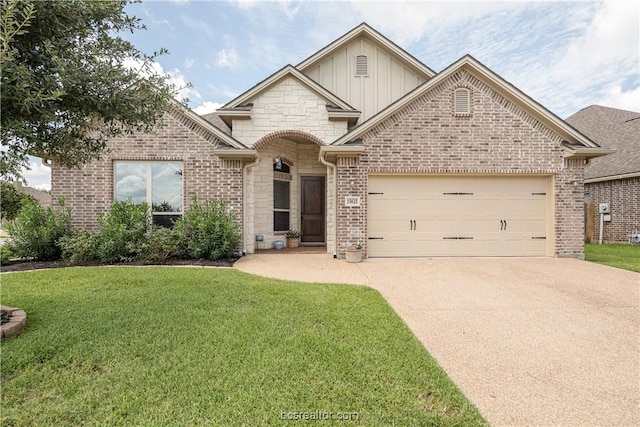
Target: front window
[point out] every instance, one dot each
(157, 183)
(281, 195)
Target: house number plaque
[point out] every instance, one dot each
(352, 201)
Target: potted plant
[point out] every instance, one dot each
(293, 238)
(354, 254)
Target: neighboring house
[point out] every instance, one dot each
(361, 142)
(613, 179)
(42, 197)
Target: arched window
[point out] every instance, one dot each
(462, 101)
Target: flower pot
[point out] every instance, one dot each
(353, 255)
(293, 242)
(278, 244)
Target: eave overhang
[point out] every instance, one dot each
(338, 114)
(332, 152)
(230, 154)
(612, 177)
(572, 151)
(238, 113)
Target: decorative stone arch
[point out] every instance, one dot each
(285, 134)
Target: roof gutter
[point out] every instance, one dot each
(235, 154)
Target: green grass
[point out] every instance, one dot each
(615, 255)
(179, 346)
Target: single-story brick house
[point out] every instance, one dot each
(612, 179)
(361, 142)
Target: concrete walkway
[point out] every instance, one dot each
(531, 341)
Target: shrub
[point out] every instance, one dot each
(208, 230)
(6, 255)
(122, 231)
(36, 231)
(80, 247)
(159, 245)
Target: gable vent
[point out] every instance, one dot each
(362, 65)
(461, 101)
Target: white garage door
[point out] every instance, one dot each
(459, 216)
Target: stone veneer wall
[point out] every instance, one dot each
(288, 105)
(623, 195)
(303, 160)
(89, 190)
(497, 137)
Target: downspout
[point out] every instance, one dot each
(335, 201)
(245, 217)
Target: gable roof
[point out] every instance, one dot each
(368, 32)
(284, 72)
(497, 83)
(615, 129)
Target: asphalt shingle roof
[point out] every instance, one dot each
(610, 128)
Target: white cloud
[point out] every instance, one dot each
(615, 97)
(39, 176)
(197, 25)
(176, 77)
(596, 60)
(207, 107)
(407, 22)
(189, 62)
(227, 58)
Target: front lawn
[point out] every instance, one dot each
(186, 346)
(615, 255)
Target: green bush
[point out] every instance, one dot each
(6, 255)
(207, 230)
(122, 231)
(80, 247)
(36, 231)
(159, 245)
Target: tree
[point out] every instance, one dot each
(67, 83)
(12, 201)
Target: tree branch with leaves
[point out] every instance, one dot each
(67, 87)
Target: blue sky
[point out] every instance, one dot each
(565, 55)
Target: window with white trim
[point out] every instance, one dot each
(159, 184)
(462, 101)
(362, 66)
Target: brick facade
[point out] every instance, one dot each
(89, 190)
(496, 138)
(623, 195)
(290, 119)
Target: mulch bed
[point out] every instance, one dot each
(39, 265)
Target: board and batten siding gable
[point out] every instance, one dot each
(288, 104)
(388, 78)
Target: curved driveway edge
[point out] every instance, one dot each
(530, 341)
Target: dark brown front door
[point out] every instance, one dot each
(313, 219)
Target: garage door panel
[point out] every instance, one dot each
(459, 215)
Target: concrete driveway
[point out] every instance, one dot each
(531, 341)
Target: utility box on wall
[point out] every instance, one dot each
(604, 208)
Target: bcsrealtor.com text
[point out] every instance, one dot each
(318, 415)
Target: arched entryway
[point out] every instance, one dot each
(289, 189)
